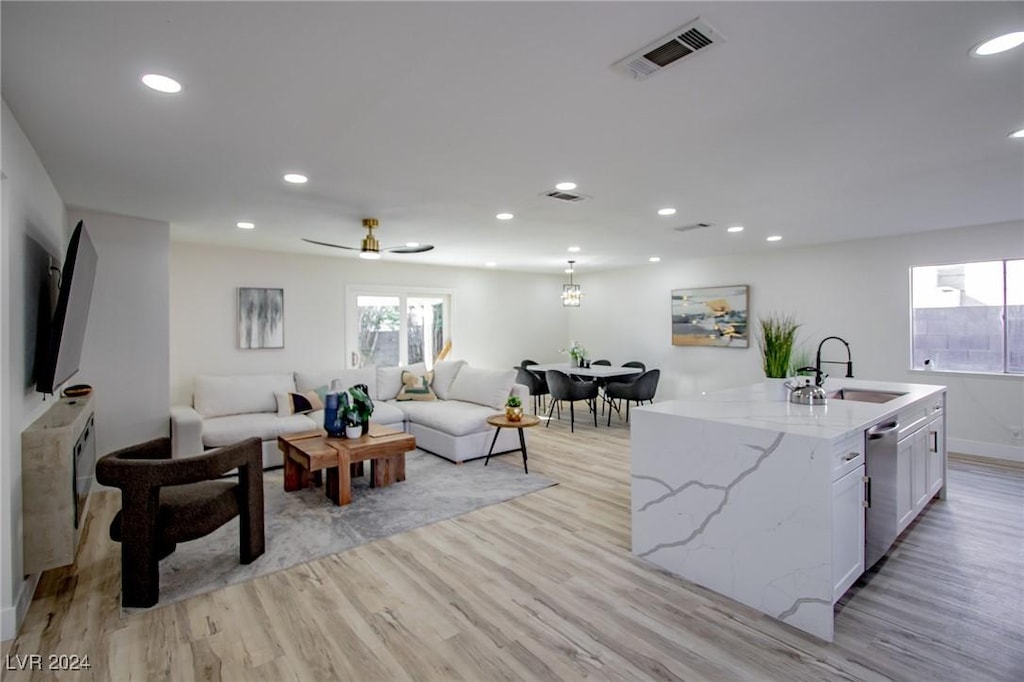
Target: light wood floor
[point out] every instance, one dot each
(544, 588)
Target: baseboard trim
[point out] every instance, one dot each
(12, 617)
(986, 450)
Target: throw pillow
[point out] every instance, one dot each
(289, 403)
(416, 387)
(444, 373)
(389, 379)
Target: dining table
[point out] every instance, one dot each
(593, 372)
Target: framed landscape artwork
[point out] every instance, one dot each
(711, 316)
(260, 318)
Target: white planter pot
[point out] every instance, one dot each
(775, 389)
(353, 431)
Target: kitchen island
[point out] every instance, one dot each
(762, 500)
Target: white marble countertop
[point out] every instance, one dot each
(751, 406)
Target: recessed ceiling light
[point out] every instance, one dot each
(295, 178)
(245, 225)
(654, 259)
(491, 264)
(1017, 133)
(574, 249)
(735, 228)
(369, 255)
(773, 238)
(161, 83)
(504, 216)
(412, 245)
(998, 44)
(565, 186)
(666, 211)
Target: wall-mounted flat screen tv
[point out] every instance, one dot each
(62, 351)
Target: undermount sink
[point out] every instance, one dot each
(864, 396)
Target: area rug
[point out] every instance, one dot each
(305, 525)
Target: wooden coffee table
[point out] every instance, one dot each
(499, 421)
(306, 455)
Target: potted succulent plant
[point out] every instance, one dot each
(514, 408)
(777, 338)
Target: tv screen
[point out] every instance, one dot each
(66, 333)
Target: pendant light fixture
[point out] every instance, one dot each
(571, 294)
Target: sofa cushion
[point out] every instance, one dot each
(297, 403)
(217, 396)
(455, 418)
(489, 387)
(346, 378)
(219, 431)
(389, 379)
(416, 387)
(444, 374)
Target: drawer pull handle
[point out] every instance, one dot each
(852, 456)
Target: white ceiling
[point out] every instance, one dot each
(820, 122)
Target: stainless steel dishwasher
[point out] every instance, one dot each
(880, 468)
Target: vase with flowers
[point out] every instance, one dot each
(576, 352)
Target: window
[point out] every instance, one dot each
(969, 317)
(390, 327)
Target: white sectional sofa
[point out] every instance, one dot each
(226, 409)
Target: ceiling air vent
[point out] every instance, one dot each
(686, 40)
(695, 226)
(564, 196)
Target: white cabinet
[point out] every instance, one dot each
(847, 530)
(904, 479)
(919, 470)
(920, 458)
(935, 444)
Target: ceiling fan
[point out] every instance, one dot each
(370, 247)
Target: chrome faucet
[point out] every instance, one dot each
(818, 360)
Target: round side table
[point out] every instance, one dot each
(500, 422)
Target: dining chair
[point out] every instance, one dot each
(535, 383)
(601, 382)
(562, 387)
(640, 390)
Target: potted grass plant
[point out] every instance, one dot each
(777, 339)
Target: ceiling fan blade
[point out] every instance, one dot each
(410, 249)
(336, 246)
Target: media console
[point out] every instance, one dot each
(58, 460)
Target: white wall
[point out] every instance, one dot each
(499, 318)
(32, 210)
(857, 290)
(126, 353)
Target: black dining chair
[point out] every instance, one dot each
(600, 381)
(640, 390)
(535, 383)
(562, 387)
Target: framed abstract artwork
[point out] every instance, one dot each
(711, 316)
(260, 318)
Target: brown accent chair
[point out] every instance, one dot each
(165, 501)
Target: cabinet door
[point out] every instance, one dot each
(936, 446)
(919, 474)
(904, 489)
(847, 531)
